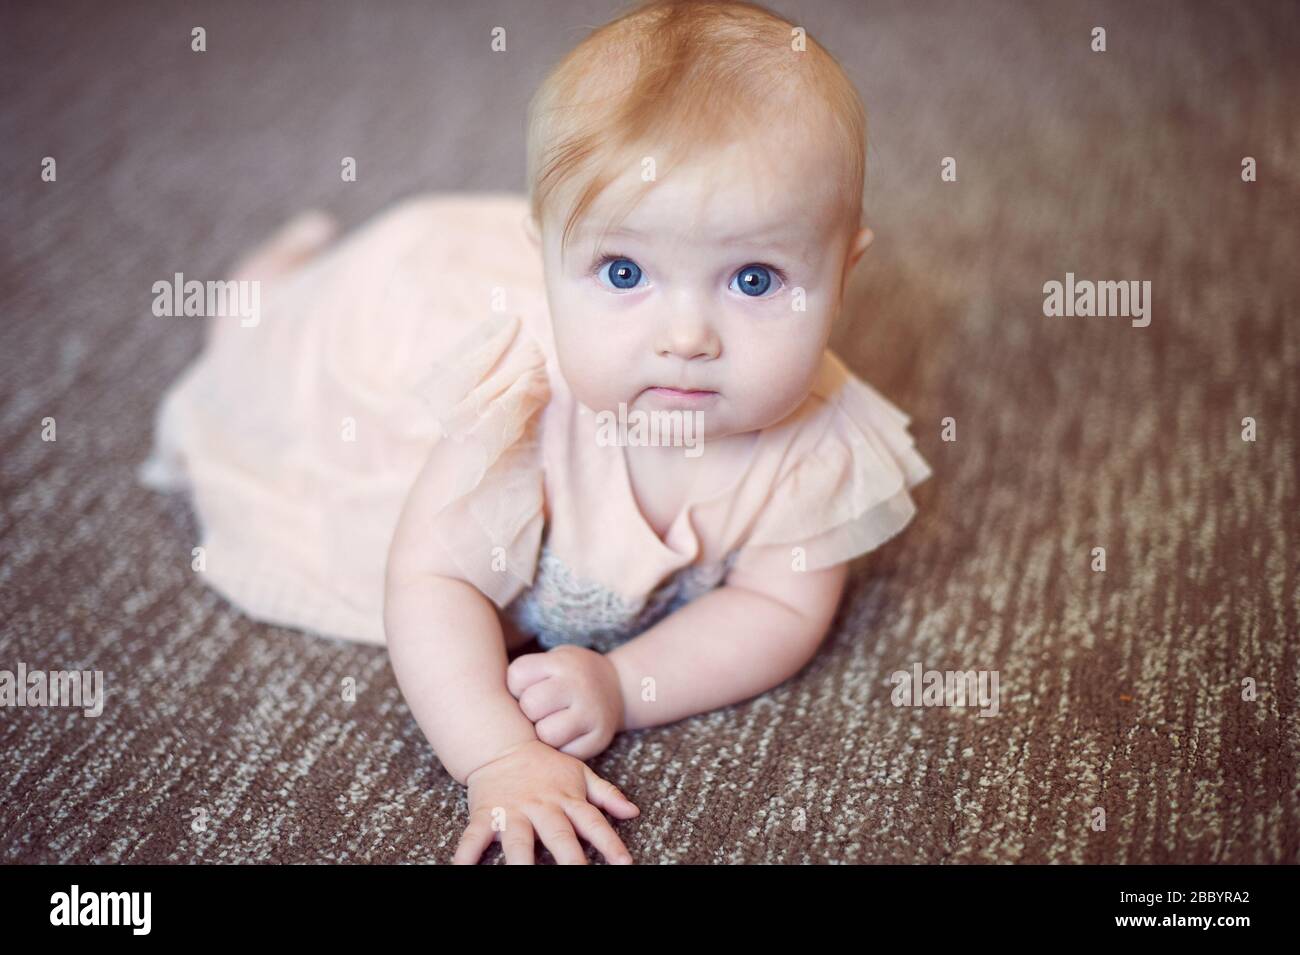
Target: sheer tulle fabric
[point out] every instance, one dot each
(424, 340)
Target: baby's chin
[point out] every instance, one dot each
(715, 416)
(719, 416)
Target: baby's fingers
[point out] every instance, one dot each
(606, 795)
(556, 832)
(517, 840)
(583, 747)
(478, 835)
(524, 671)
(593, 827)
(560, 728)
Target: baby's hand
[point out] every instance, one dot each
(573, 697)
(534, 792)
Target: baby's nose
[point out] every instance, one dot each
(688, 336)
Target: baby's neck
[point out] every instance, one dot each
(665, 480)
(672, 474)
(689, 460)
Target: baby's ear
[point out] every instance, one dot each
(530, 227)
(859, 245)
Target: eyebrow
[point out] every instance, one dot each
(759, 237)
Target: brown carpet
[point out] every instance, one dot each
(223, 740)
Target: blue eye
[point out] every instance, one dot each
(753, 280)
(623, 272)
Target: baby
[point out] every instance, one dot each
(414, 447)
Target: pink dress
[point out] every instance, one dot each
(427, 332)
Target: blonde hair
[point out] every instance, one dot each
(686, 74)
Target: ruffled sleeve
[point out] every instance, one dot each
(485, 398)
(846, 490)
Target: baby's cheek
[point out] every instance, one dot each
(593, 365)
(777, 380)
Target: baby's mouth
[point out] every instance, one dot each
(686, 397)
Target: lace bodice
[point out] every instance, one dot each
(561, 607)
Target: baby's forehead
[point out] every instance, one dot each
(744, 191)
(678, 213)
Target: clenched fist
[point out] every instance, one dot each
(573, 697)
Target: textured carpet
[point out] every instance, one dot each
(1127, 691)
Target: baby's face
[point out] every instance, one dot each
(722, 282)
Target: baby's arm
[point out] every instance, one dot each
(750, 634)
(449, 658)
(448, 653)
